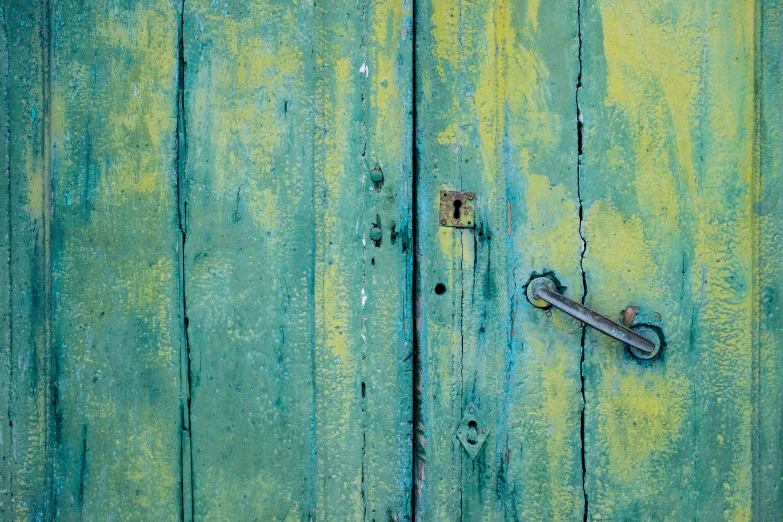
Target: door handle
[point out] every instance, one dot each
(542, 293)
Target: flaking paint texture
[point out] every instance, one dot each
(198, 326)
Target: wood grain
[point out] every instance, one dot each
(207, 229)
(363, 336)
(115, 327)
(768, 383)
(496, 85)
(298, 323)
(667, 185)
(25, 386)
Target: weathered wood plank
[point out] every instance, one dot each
(116, 330)
(363, 345)
(249, 258)
(25, 416)
(668, 108)
(768, 449)
(6, 421)
(496, 85)
(299, 326)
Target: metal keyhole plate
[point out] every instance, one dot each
(456, 209)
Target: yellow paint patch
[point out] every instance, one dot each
(141, 163)
(679, 92)
(445, 20)
(532, 13)
(656, 86)
(386, 147)
(542, 224)
(246, 123)
(449, 135)
(113, 123)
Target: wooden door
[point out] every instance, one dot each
(208, 260)
(228, 292)
(630, 152)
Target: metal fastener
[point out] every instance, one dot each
(472, 431)
(376, 175)
(456, 209)
(376, 233)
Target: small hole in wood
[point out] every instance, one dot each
(472, 435)
(440, 289)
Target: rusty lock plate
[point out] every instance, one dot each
(457, 209)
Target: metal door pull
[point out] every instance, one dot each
(542, 292)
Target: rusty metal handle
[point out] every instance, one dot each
(542, 293)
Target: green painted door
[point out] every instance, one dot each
(630, 151)
(231, 289)
(207, 256)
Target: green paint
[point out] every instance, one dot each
(363, 332)
(668, 105)
(299, 326)
(496, 115)
(115, 322)
(247, 199)
(25, 407)
(206, 260)
(768, 431)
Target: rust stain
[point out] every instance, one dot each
(456, 209)
(629, 314)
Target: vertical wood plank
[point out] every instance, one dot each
(363, 345)
(249, 258)
(116, 330)
(25, 419)
(496, 85)
(768, 485)
(298, 323)
(386, 386)
(668, 108)
(6, 455)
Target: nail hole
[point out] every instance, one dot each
(472, 435)
(440, 289)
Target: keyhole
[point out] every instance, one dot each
(472, 435)
(457, 204)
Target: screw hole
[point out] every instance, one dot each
(440, 289)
